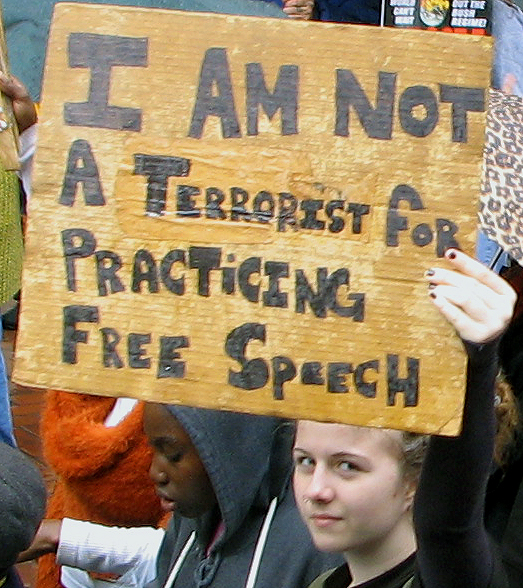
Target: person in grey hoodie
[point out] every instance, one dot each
(226, 477)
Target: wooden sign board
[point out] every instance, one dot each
(237, 213)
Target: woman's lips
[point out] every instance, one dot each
(324, 520)
(166, 503)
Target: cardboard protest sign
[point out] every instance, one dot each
(8, 129)
(237, 213)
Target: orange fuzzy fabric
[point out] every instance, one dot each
(102, 473)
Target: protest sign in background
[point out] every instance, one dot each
(8, 128)
(451, 16)
(237, 212)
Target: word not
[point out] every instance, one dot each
(255, 373)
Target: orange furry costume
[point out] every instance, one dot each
(102, 473)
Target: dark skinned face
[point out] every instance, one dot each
(176, 469)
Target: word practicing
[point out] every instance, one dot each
(246, 278)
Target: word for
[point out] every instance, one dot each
(215, 95)
(421, 234)
(245, 278)
(253, 374)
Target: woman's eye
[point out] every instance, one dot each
(347, 466)
(171, 452)
(303, 461)
(174, 458)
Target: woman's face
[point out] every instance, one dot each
(176, 469)
(349, 485)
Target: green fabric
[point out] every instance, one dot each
(320, 580)
(11, 244)
(340, 577)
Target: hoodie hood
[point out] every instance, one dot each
(247, 458)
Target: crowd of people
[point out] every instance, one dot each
(168, 496)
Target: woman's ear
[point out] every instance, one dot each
(410, 491)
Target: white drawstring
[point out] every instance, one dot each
(258, 551)
(181, 558)
(260, 544)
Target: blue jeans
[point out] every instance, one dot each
(486, 251)
(6, 420)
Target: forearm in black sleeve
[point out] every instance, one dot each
(453, 548)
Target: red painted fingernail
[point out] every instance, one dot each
(451, 255)
(432, 294)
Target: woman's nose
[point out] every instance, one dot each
(320, 488)
(156, 473)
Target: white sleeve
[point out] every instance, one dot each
(114, 550)
(27, 143)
